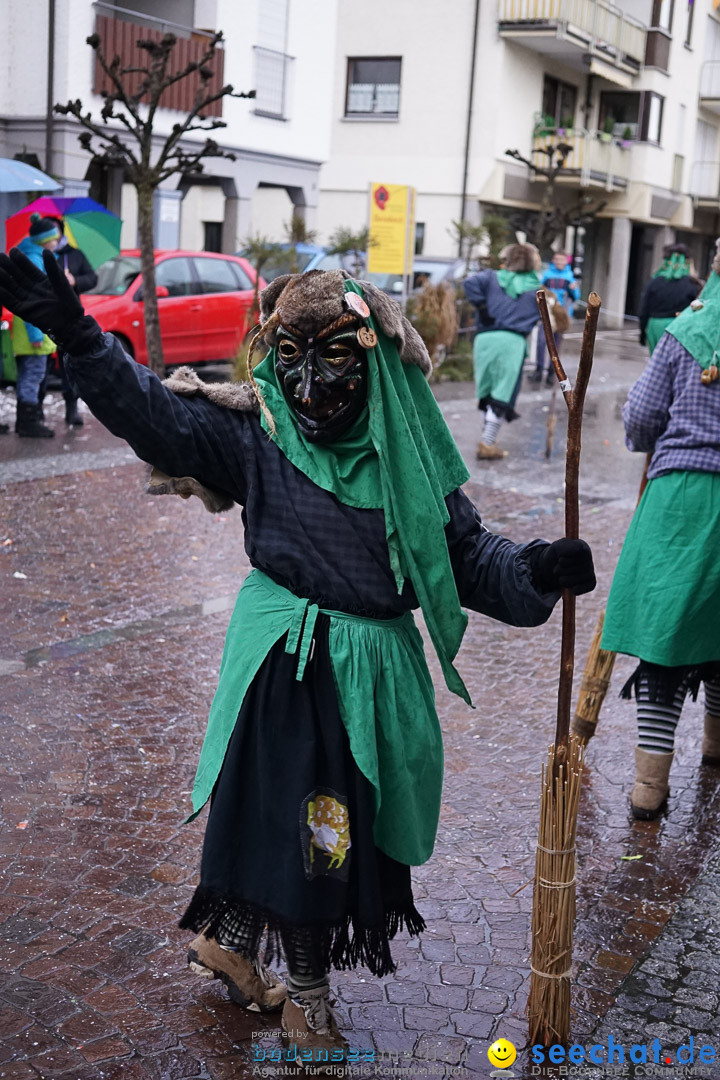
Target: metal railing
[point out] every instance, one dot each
(705, 180)
(139, 17)
(607, 30)
(594, 156)
(710, 79)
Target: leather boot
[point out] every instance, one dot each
(711, 741)
(28, 422)
(308, 1021)
(249, 984)
(72, 416)
(489, 453)
(651, 784)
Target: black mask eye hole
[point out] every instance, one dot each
(337, 354)
(288, 351)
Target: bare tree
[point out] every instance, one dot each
(553, 219)
(124, 135)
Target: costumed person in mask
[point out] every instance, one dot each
(507, 311)
(323, 754)
(83, 278)
(663, 602)
(31, 346)
(668, 292)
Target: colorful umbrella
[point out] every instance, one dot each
(89, 226)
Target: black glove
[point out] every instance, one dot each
(47, 301)
(564, 564)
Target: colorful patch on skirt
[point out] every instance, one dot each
(325, 834)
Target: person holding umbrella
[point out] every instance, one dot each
(82, 277)
(322, 760)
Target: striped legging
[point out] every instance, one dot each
(657, 723)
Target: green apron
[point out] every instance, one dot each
(663, 603)
(385, 696)
(654, 331)
(498, 358)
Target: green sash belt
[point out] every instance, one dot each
(385, 696)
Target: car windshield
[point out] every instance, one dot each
(116, 275)
(285, 262)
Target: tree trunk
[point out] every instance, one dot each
(147, 266)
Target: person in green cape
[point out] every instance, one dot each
(663, 602)
(323, 759)
(507, 311)
(672, 287)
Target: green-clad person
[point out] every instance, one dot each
(672, 287)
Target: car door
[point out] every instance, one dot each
(180, 311)
(224, 307)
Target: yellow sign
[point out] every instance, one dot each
(392, 229)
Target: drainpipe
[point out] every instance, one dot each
(469, 119)
(50, 88)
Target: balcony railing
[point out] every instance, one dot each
(705, 180)
(594, 25)
(594, 159)
(119, 37)
(710, 79)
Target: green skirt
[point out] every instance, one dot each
(654, 331)
(385, 697)
(663, 603)
(497, 359)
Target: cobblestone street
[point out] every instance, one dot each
(111, 634)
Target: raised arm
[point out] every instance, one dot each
(517, 584)
(182, 436)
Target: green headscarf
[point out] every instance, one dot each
(698, 328)
(517, 284)
(673, 267)
(399, 457)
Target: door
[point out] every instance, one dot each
(224, 307)
(180, 311)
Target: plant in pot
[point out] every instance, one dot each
(566, 126)
(627, 137)
(607, 129)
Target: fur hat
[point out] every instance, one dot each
(310, 303)
(521, 258)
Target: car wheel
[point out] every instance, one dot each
(122, 340)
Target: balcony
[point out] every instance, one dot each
(585, 34)
(705, 183)
(710, 85)
(119, 33)
(595, 159)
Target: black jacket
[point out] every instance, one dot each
(663, 299)
(72, 259)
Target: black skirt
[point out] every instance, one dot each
(289, 863)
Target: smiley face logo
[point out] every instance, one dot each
(502, 1053)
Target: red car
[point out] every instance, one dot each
(204, 301)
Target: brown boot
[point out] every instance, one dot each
(711, 741)
(249, 984)
(309, 1022)
(489, 453)
(651, 784)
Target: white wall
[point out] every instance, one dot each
(201, 203)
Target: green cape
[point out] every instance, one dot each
(698, 329)
(400, 457)
(517, 284)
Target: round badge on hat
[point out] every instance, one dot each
(357, 304)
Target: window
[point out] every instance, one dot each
(689, 22)
(628, 115)
(419, 237)
(215, 275)
(373, 87)
(244, 281)
(272, 73)
(177, 277)
(559, 102)
(662, 14)
(213, 235)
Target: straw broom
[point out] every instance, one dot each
(554, 894)
(598, 669)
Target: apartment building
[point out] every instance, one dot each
(633, 89)
(281, 49)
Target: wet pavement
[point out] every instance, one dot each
(111, 632)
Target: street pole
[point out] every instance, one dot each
(468, 126)
(50, 88)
